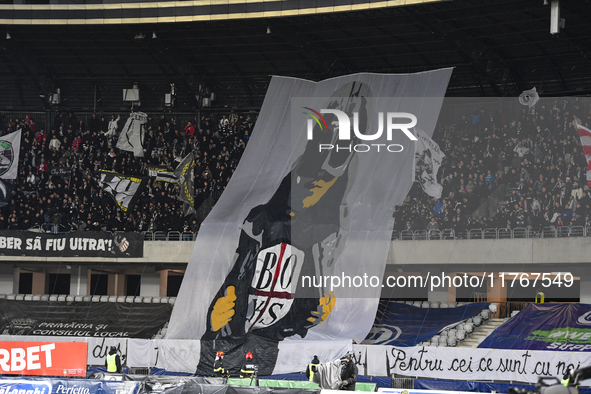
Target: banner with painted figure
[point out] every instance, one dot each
(562, 327)
(276, 267)
(400, 324)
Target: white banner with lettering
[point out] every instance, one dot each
(372, 360)
(142, 353)
(466, 363)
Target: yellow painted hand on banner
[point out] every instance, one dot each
(320, 188)
(223, 310)
(325, 306)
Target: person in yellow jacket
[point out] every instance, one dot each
(113, 361)
(312, 368)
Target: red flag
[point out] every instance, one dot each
(585, 135)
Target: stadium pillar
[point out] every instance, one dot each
(451, 293)
(39, 283)
(116, 284)
(16, 280)
(78, 280)
(150, 283)
(6, 278)
(495, 292)
(585, 289)
(442, 294)
(163, 283)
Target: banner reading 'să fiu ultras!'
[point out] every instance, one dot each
(312, 199)
(75, 244)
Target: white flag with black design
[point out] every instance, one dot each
(5, 192)
(305, 202)
(428, 158)
(132, 135)
(10, 147)
(162, 175)
(529, 97)
(124, 189)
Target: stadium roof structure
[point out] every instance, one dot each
(498, 48)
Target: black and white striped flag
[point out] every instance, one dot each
(162, 174)
(124, 189)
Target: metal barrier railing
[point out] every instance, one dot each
(169, 236)
(493, 233)
(480, 297)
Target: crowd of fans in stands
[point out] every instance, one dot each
(74, 201)
(530, 166)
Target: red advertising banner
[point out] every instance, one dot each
(43, 358)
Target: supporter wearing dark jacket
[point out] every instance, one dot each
(348, 374)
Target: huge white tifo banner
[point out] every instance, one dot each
(466, 363)
(312, 197)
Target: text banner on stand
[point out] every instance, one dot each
(43, 358)
(78, 244)
(467, 363)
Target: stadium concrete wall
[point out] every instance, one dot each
(485, 251)
(564, 254)
(492, 251)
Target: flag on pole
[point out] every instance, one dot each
(5, 192)
(10, 147)
(124, 189)
(428, 158)
(162, 174)
(132, 135)
(585, 135)
(184, 173)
